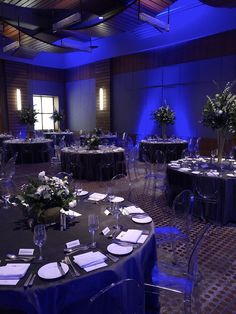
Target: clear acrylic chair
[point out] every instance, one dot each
(123, 297)
(131, 157)
(207, 195)
(120, 185)
(155, 172)
(7, 185)
(181, 280)
(181, 223)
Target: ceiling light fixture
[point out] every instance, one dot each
(70, 20)
(158, 24)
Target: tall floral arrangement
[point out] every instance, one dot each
(43, 193)
(164, 115)
(57, 117)
(28, 116)
(219, 113)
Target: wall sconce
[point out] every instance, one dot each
(18, 99)
(101, 98)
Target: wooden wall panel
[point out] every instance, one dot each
(222, 44)
(3, 99)
(83, 72)
(16, 77)
(103, 80)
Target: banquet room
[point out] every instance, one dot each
(118, 157)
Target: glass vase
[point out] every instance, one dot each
(220, 144)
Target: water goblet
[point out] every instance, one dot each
(213, 154)
(116, 213)
(93, 225)
(78, 188)
(197, 154)
(40, 236)
(110, 197)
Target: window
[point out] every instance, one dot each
(45, 105)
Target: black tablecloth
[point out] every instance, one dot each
(70, 294)
(57, 136)
(4, 138)
(179, 180)
(172, 150)
(92, 166)
(29, 152)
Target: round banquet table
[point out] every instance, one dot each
(93, 164)
(29, 151)
(4, 137)
(182, 176)
(171, 148)
(57, 136)
(70, 294)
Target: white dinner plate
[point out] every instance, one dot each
(83, 193)
(142, 220)
(117, 199)
(117, 249)
(51, 271)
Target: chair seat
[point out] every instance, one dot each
(175, 281)
(170, 232)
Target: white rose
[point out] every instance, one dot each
(41, 175)
(72, 204)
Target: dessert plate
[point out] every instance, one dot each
(52, 271)
(116, 249)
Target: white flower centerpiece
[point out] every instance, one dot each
(93, 142)
(219, 113)
(164, 115)
(43, 198)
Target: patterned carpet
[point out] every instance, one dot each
(217, 260)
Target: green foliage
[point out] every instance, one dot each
(28, 116)
(164, 115)
(57, 116)
(93, 142)
(219, 112)
(43, 193)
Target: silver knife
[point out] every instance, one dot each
(30, 284)
(28, 280)
(61, 270)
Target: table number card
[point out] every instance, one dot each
(72, 244)
(106, 212)
(105, 231)
(26, 252)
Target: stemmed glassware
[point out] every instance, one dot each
(213, 155)
(231, 157)
(110, 197)
(40, 236)
(93, 225)
(116, 213)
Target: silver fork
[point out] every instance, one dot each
(69, 263)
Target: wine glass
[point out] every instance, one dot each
(197, 154)
(78, 188)
(213, 154)
(110, 197)
(40, 237)
(93, 225)
(116, 213)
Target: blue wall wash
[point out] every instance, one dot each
(185, 87)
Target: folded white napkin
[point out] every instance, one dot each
(213, 174)
(89, 259)
(132, 210)
(70, 213)
(131, 235)
(13, 271)
(185, 169)
(97, 197)
(173, 165)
